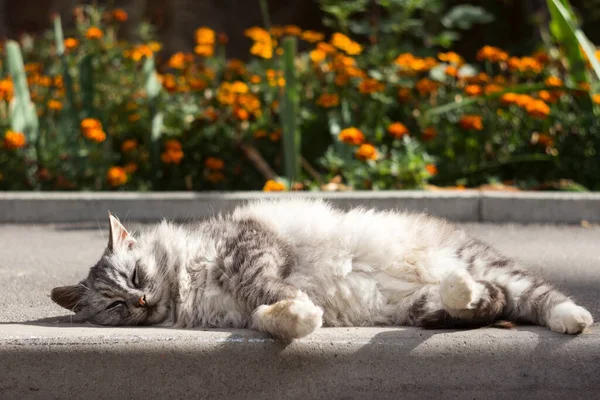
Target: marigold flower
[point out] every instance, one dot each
(14, 140)
(452, 71)
(172, 144)
(471, 122)
(54, 105)
(172, 156)
(473, 90)
(428, 134)
(553, 81)
(215, 177)
(431, 169)
(255, 79)
(241, 114)
(328, 100)
(312, 36)
(274, 186)
(95, 135)
(204, 50)
(397, 130)
(326, 47)
(197, 84)
(538, 109)
(205, 36)
(6, 89)
(523, 100)
(366, 152)
(130, 168)
(90, 123)
(549, 97)
(492, 88)
(71, 43)
(214, 163)
(491, 53)
(411, 64)
(116, 176)
(120, 15)
(351, 135)
(277, 30)
(211, 114)
(426, 86)
(275, 136)
(93, 33)
(345, 44)
(596, 98)
(370, 85)
(451, 57)
(292, 30)
(317, 55)
(404, 94)
(129, 145)
(177, 61)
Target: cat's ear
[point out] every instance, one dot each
(68, 297)
(118, 235)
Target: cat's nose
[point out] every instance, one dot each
(142, 301)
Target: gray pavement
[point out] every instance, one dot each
(42, 358)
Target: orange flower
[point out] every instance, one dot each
(215, 177)
(491, 53)
(116, 176)
(130, 168)
(317, 55)
(397, 130)
(120, 15)
(452, 71)
(473, 90)
(92, 130)
(366, 152)
(431, 169)
(211, 114)
(596, 98)
(492, 88)
(205, 36)
(345, 44)
(471, 122)
(523, 100)
(508, 98)
(538, 109)
(404, 94)
(369, 85)
(94, 32)
(292, 30)
(71, 43)
(129, 145)
(312, 36)
(351, 135)
(451, 57)
(214, 163)
(204, 50)
(263, 44)
(241, 114)
(428, 134)
(177, 61)
(553, 81)
(326, 47)
(549, 97)
(410, 64)
(173, 153)
(54, 105)
(542, 139)
(90, 123)
(275, 136)
(14, 140)
(426, 86)
(274, 186)
(328, 100)
(255, 79)
(6, 89)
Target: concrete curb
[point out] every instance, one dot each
(466, 206)
(62, 361)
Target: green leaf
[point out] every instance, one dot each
(291, 100)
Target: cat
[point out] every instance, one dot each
(288, 267)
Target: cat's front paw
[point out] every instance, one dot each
(458, 290)
(288, 319)
(569, 318)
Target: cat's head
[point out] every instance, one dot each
(126, 287)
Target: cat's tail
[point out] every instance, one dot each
(505, 294)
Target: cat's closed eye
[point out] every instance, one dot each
(115, 304)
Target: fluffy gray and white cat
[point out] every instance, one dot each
(288, 267)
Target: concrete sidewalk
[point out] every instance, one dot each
(44, 356)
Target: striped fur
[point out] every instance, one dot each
(287, 267)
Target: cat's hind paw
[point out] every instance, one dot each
(569, 318)
(288, 319)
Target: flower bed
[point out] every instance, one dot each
(370, 116)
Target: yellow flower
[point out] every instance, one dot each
(274, 186)
(205, 36)
(214, 163)
(14, 140)
(317, 55)
(428, 134)
(120, 15)
(262, 49)
(397, 130)
(239, 87)
(71, 43)
(491, 53)
(471, 122)
(410, 64)
(129, 145)
(366, 152)
(369, 85)
(312, 36)
(351, 135)
(204, 50)
(154, 46)
(345, 44)
(54, 105)
(328, 100)
(116, 176)
(538, 109)
(94, 32)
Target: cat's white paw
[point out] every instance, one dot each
(458, 290)
(569, 318)
(288, 319)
